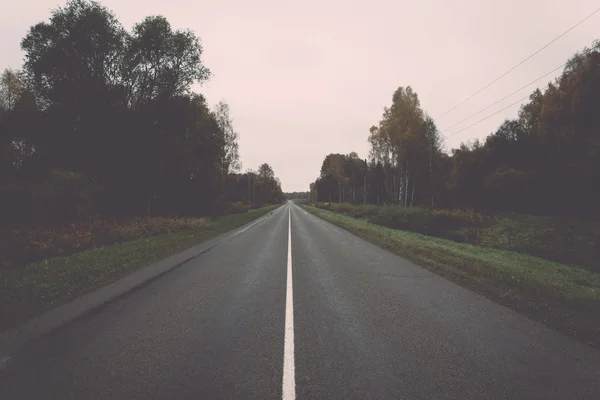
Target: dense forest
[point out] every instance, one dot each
(103, 122)
(545, 161)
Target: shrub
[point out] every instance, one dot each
(564, 240)
(435, 222)
(64, 196)
(21, 246)
(237, 208)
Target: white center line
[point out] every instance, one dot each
(289, 378)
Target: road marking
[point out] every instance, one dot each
(289, 378)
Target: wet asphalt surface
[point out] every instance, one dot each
(367, 325)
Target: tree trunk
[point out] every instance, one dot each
(365, 190)
(391, 177)
(398, 185)
(431, 175)
(389, 194)
(353, 187)
(401, 185)
(383, 182)
(412, 196)
(406, 181)
(377, 187)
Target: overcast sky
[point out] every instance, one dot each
(304, 79)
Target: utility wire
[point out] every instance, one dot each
(586, 51)
(519, 64)
(489, 116)
(504, 98)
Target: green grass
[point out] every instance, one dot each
(31, 289)
(565, 297)
(29, 244)
(566, 240)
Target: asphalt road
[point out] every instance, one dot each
(366, 325)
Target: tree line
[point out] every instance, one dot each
(297, 195)
(544, 161)
(102, 121)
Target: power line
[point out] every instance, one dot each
(489, 116)
(504, 98)
(586, 51)
(519, 64)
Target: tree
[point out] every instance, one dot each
(160, 62)
(18, 119)
(267, 188)
(98, 104)
(265, 171)
(77, 53)
(406, 143)
(332, 171)
(229, 159)
(11, 88)
(547, 160)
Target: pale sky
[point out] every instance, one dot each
(305, 79)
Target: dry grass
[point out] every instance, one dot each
(20, 246)
(95, 254)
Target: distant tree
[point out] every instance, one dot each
(265, 171)
(11, 88)
(332, 170)
(406, 142)
(270, 187)
(547, 160)
(229, 159)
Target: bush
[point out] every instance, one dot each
(22, 246)
(236, 208)
(435, 222)
(570, 241)
(15, 204)
(65, 196)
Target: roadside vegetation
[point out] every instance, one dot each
(564, 297)
(108, 159)
(545, 161)
(514, 216)
(90, 255)
(574, 241)
(23, 245)
(102, 123)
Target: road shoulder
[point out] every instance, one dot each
(574, 313)
(15, 337)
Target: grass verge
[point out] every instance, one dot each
(565, 240)
(34, 288)
(564, 297)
